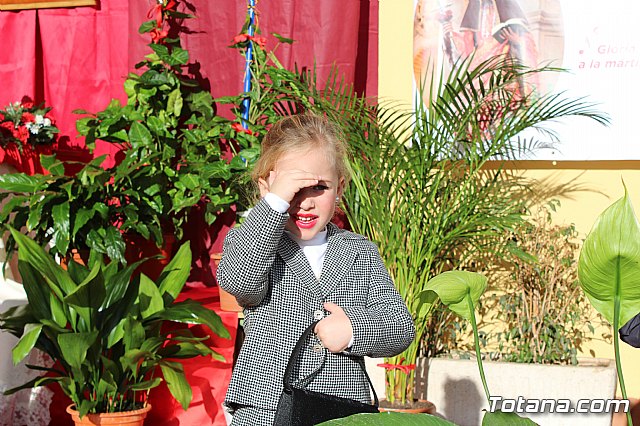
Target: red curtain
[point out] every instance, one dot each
(77, 58)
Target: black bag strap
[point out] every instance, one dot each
(296, 353)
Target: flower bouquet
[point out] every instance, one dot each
(26, 131)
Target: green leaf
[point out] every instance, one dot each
(498, 418)
(156, 125)
(455, 288)
(90, 293)
(61, 227)
(74, 347)
(149, 297)
(20, 182)
(139, 135)
(37, 290)
(147, 26)
(174, 104)
(50, 163)
(191, 312)
(609, 264)
(83, 216)
(26, 342)
(180, 56)
(133, 334)
(173, 373)
(175, 274)
(146, 385)
(282, 39)
(30, 252)
(115, 244)
(58, 311)
(389, 419)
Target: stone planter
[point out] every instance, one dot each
(455, 388)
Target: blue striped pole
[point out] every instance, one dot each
(246, 102)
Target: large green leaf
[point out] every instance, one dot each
(91, 292)
(139, 135)
(173, 373)
(389, 419)
(455, 289)
(37, 290)
(149, 297)
(61, 226)
(175, 274)
(498, 418)
(134, 333)
(191, 312)
(609, 264)
(30, 252)
(26, 342)
(74, 346)
(20, 182)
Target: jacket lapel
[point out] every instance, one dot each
(295, 259)
(341, 253)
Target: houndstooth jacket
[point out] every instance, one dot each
(272, 279)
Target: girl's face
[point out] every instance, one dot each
(312, 207)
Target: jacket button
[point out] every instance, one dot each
(318, 315)
(317, 348)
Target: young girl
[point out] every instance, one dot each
(288, 266)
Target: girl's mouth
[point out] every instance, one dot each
(305, 221)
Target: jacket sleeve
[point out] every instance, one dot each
(630, 332)
(383, 327)
(249, 252)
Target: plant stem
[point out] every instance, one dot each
(476, 342)
(616, 344)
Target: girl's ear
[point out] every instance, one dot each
(340, 189)
(264, 187)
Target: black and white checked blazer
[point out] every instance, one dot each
(272, 279)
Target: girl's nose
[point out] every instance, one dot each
(304, 200)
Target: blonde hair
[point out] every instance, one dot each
(302, 132)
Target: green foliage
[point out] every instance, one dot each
(609, 270)
(66, 212)
(542, 314)
(460, 292)
(421, 189)
(175, 146)
(102, 324)
(389, 419)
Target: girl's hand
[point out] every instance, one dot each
(334, 331)
(287, 183)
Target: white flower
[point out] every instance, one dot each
(46, 122)
(33, 128)
(39, 119)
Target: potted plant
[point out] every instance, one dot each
(421, 189)
(89, 211)
(102, 326)
(170, 135)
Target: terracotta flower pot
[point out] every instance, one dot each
(418, 406)
(137, 247)
(124, 418)
(227, 301)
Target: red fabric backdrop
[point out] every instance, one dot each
(77, 58)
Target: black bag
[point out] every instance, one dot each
(302, 407)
